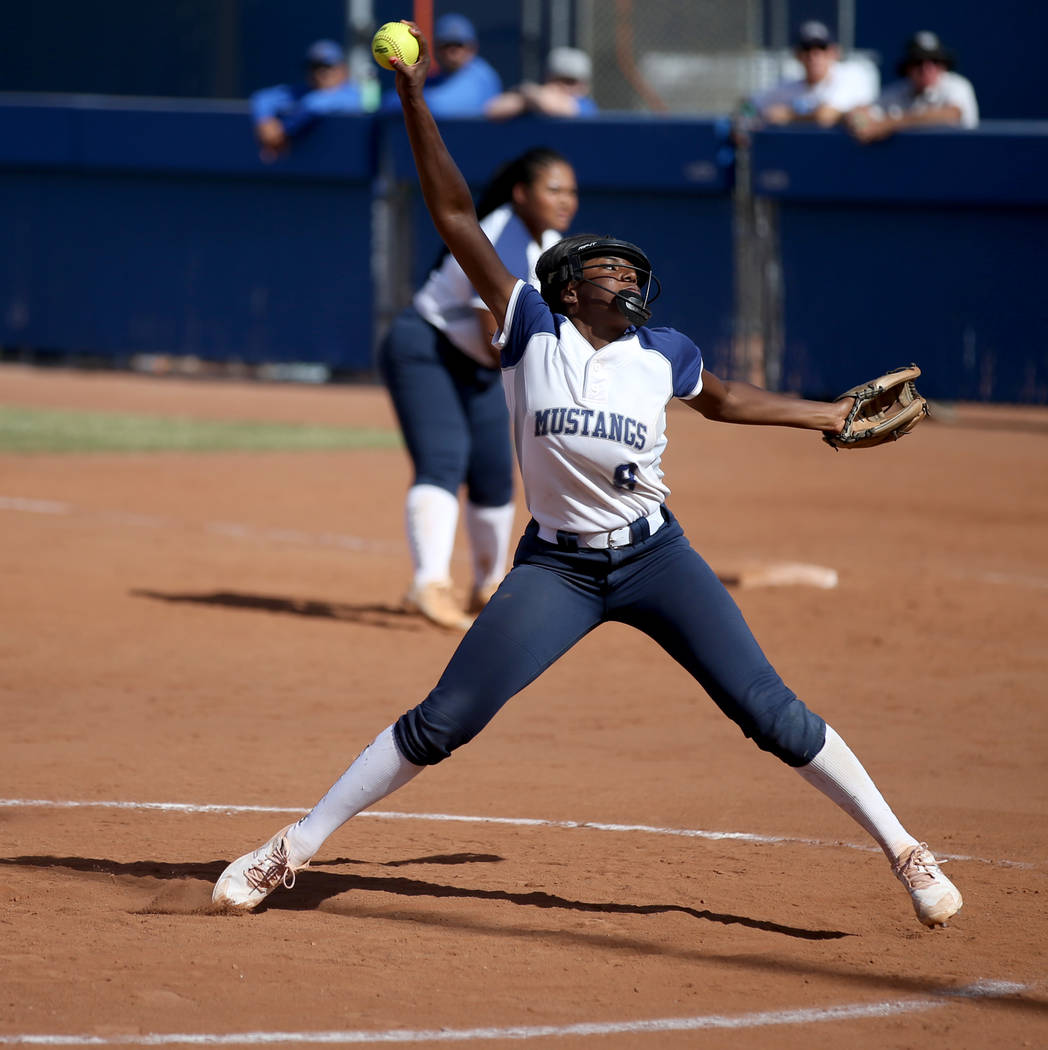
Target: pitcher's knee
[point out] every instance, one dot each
(780, 723)
(792, 733)
(427, 734)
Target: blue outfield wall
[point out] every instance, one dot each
(154, 228)
(928, 247)
(134, 226)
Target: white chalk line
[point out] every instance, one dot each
(524, 822)
(763, 1019)
(228, 529)
(787, 571)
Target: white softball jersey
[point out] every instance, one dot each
(447, 299)
(590, 425)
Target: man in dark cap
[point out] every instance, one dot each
(466, 81)
(283, 112)
(828, 89)
(929, 92)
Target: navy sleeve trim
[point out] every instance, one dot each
(526, 316)
(684, 356)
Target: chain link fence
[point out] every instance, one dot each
(682, 56)
(706, 57)
(687, 56)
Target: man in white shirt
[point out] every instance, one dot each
(828, 89)
(928, 93)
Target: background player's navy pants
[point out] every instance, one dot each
(553, 597)
(451, 410)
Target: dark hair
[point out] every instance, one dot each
(526, 168)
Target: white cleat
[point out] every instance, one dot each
(935, 898)
(248, 881)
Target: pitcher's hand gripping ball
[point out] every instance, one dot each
(394, 40)
(884, 410)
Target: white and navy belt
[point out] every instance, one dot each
(625, 536)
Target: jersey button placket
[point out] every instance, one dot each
(596, 382)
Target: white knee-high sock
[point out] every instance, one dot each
(839, 775)
(375, 773)
(431, 516)
(490, 532)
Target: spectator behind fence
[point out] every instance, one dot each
(565, 92)
(928, 93)
(828, 89)
(284, 112)
(466, 81)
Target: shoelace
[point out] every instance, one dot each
(274, 868)
(920, 865)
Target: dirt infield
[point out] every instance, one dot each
(622, 868)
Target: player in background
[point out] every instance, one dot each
(587, 385)
(443, 376)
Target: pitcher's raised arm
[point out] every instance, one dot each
(445, 191)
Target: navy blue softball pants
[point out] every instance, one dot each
(451, 410)
(553, 597)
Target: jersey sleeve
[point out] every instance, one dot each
(510, 239)
(684, 356)
(527, 315)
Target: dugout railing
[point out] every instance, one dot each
(132, 229)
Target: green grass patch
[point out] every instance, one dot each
(51, 430)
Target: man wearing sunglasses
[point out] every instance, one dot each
(828, 89)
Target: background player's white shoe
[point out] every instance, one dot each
(249, 880)
(437, 603)
(935, 898)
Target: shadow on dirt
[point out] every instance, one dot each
(313, 887)
(389, 616)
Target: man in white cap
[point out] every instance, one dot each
(564, 93)
(929, 92)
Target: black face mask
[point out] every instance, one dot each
(631, 303)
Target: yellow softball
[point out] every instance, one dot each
(394, 40)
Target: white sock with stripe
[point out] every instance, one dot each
(840, 776)
(431, 517)
(375, 773)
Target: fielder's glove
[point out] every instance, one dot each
(884, 410)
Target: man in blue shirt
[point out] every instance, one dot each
(284, 112)
(465, 82)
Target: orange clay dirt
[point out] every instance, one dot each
(224, 630)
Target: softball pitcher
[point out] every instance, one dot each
(587, 384)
